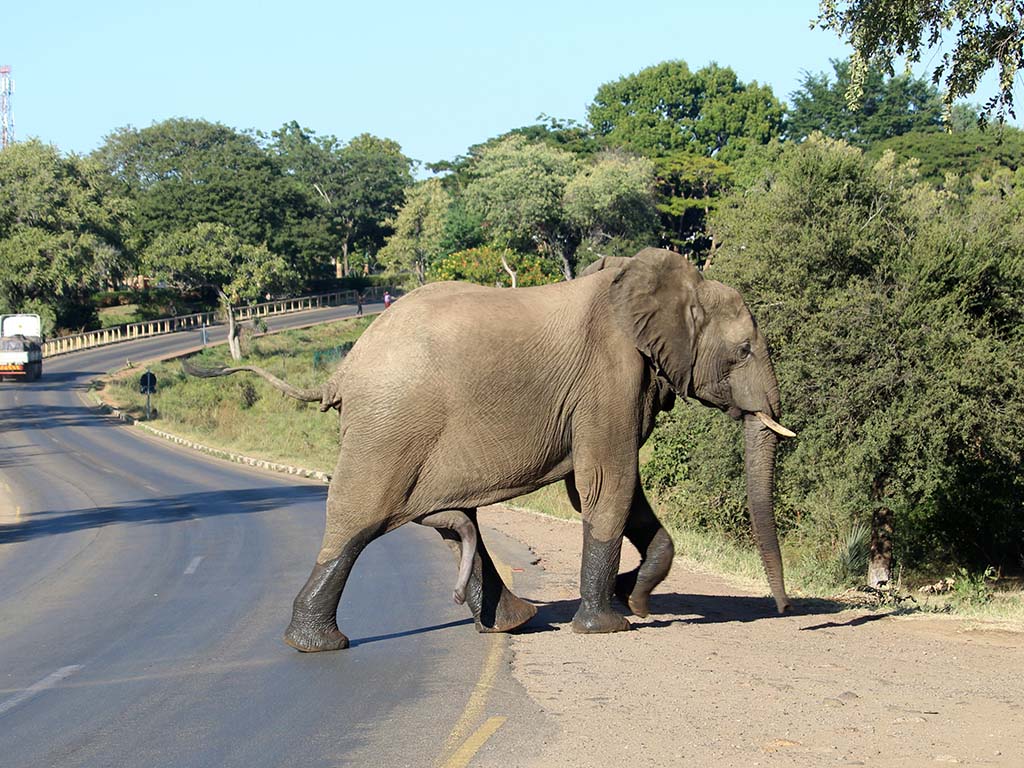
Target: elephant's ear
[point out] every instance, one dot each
(606, 262)
(654, 298)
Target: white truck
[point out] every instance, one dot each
(21, 346)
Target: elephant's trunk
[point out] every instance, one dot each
(760, 469)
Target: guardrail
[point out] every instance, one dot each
(130, 331)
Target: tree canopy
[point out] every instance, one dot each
(185, 172)
(894, 314)
(961, 154)
(889, 106)
(667, 107)
(60, 233)
(517, 189)
(213, 256)
(986, 34)
(357, 187)
(419, 230)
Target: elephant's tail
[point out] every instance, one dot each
(299, 393)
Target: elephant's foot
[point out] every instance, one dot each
(309, 638)
(638, 605)
(632, 594)
(511, 613)
(634, 588)
(625, 583)
(595, 622)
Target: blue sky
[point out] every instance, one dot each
(436, 77)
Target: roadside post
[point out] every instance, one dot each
(204, 333)
(147, 386)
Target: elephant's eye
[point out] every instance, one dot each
(744, 350)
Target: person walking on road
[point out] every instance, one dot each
(387, 299)
(359, 304)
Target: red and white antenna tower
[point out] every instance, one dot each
(6, 118)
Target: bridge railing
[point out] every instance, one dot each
(62, 344)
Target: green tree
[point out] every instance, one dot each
(563, 134)
(213, 256)
(61, 233)
(463, 229)
(894, 313)
(986, 34)
(536, 197)
(517, 190)
(610, 201)
(359, 185)
(667, 107)
(419, 230)
(963, 154)
(890, 106)
(309, 232)
(689, 189)
(181, 173)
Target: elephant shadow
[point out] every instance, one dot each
(685, 608)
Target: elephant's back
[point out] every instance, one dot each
(453, 335)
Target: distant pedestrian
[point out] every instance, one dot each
(359, 305)
(387, 299)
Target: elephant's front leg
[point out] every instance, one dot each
(653, 542)
(605, 500)
(494, 607)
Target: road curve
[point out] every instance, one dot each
(144, 590)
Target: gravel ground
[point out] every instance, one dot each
(713, 677)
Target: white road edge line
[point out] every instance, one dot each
(192, 566)
(36, 688)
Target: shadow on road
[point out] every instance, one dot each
(395, 635)
(40, 416)
(691, 609)
(168, 509)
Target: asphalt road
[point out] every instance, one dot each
(144, 590)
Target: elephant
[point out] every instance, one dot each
(461, 396)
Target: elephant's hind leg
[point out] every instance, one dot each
(314, 624)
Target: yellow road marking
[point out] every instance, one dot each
(472, 745)
(478, 699)
(474, 709)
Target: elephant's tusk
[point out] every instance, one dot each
(773, 425)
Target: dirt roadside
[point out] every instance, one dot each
(714, 678)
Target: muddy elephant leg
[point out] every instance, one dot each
(605, 509)
(314, 624)
(652, 541)
(494, 607)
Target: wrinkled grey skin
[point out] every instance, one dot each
(460, 396)
(456, 520)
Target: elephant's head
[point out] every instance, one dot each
(701, 337)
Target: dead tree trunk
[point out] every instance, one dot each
(229, 313)
(511, 272)
(880, 554)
